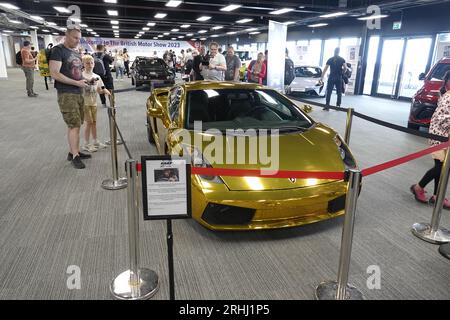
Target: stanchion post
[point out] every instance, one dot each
(136, 283)
(431, 232)
(112, 105)
(115, 183)
(348, 127)
(340, 289)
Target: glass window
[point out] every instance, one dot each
(328, 50)
(371, 61)
(442, 48)
(439, 71)
(308, 72)
(314, 52)
(174, 103)
(244, 109)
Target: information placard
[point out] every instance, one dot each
(166, 187)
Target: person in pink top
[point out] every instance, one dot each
(28, 63)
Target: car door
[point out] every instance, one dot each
(173, 111)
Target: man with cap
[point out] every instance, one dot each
(28, 63)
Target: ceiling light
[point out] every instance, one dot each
(9, 6)
(189, 34)
(83, 25)
(166, 33)
(214, 35)
(380, 16)
(141, 32)
(15, 21)
(203, 18)
(110, 1)
(9, 31)
(244, 20)
(116, 36)
(151, 24)
(217, 27)
(175, 30)
(173, 38)
(160, 15)
(62, 9)
(318, 25)
(160, 36)
(155, 38)
(34, 27)
(112, 12)
(251, 29)
(255, 32)
(39, 18)
(136, 37)
(281, 11)
(334, 14)
(203, 31)
(45, 30)
(51, 23)
(231, 7)
(232, 32)
(56, 34)
(180, 37)
(185, 26)
(145, 28)
(289, 22)
(174, 3)
(203, 39)
(75, 19)
(96, 35)
(115, 27)
(116, 31)
(90, 30)
(193, 39)
(114, 21)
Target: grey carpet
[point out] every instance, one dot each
(52, 216)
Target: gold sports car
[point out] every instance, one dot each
(230, 111)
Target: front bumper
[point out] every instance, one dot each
(421, 113)
(221, 209)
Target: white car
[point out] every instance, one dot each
(307, 81)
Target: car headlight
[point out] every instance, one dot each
(346, 156)
(199, 161)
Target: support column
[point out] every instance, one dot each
(3, 72)
(34, 39)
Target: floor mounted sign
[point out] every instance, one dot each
(166, 186)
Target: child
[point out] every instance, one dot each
(90, 104)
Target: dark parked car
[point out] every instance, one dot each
(152, 71)
(425, 100)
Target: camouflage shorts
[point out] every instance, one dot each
(71, 106)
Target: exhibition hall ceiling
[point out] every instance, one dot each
(166, 19)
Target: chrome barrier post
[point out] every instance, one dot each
(112, 104)
(348, 127)
(431, 232)
(115, 183)
(340, 289)
(135, 283)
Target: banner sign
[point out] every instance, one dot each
(166, 187)
(276, 47)
(135, 47)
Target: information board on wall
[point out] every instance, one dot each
(166, 187)
(352, 57)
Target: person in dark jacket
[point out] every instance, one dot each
(107, 78)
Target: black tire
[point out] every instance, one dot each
(413, 126)
(150, 136)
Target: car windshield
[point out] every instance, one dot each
(308, 72)
(244, 109)
(152, 63)
(440, 71)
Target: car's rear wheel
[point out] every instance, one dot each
(413, 126)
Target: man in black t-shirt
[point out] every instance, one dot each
(66, 69)
(337, 68)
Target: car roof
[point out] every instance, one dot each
(202, 85)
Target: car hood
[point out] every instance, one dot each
(312, 150)
(429, 92)
(305, 82)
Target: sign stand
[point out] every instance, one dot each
(166, 187)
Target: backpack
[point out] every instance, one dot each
(19, 58)
(99, 66)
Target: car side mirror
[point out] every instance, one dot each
(307, 108)
(422, 76)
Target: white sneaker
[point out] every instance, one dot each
(99, 145)
(89, 148)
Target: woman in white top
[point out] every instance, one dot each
(119, 64)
